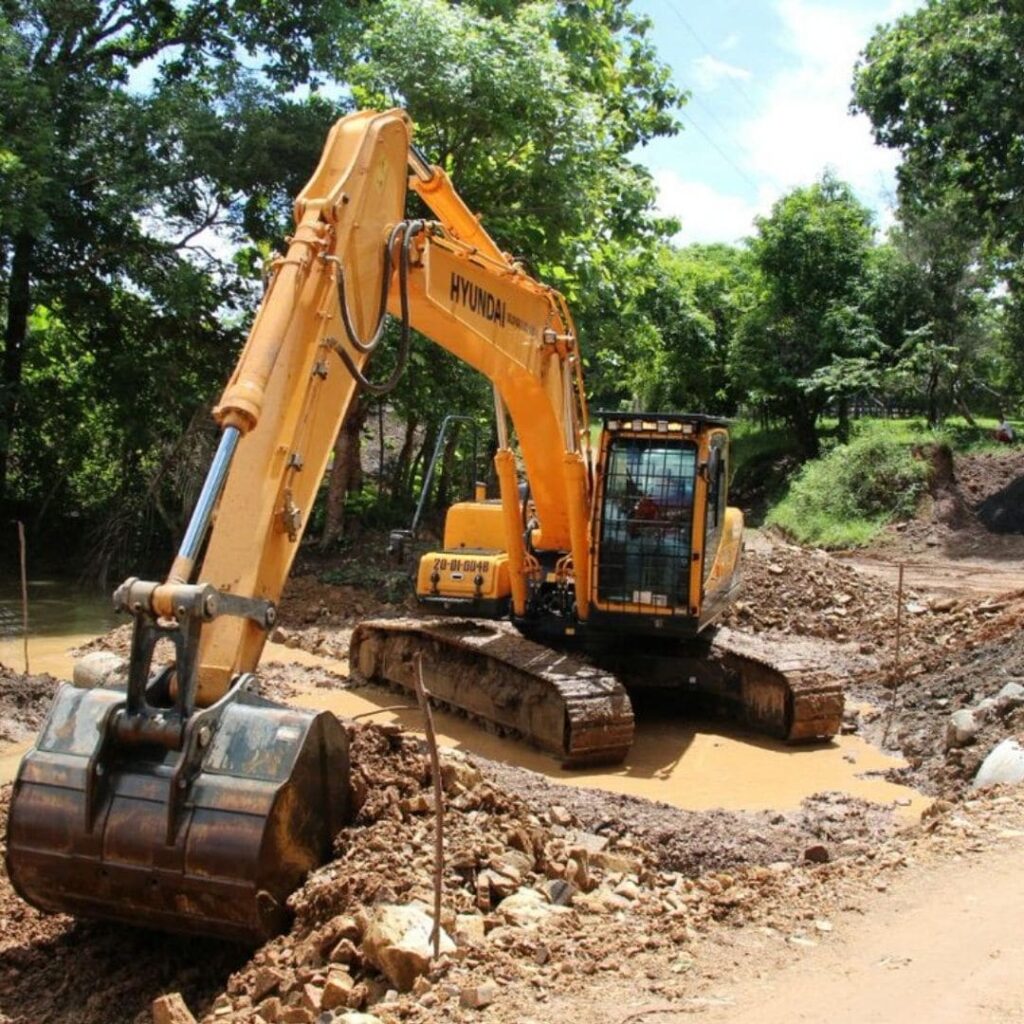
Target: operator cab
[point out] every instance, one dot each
(665, 544)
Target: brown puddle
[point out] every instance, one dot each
(695, 764)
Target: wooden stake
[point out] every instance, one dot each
(435, 768)
(897, 668)
(24, 592)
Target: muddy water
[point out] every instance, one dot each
(61, 616)
(693, 764)
(689, 763)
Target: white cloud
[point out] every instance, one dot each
(706, 214)
(799, 123)
(709, 72)
(804, 124)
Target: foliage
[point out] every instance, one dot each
(846, 496)
(811, 260)
(942, 85)
(674, 355)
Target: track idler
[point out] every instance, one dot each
(136, 806)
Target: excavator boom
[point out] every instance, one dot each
(183, 799)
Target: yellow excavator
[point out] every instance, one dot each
(184, 800)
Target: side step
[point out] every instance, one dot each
(559, 703)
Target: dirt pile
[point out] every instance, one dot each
(993, 485)
(810, 593)
(976, 509)
(982, 679)
(318, 616)
(540, 887)
(24, 701)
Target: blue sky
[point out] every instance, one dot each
(770, 84)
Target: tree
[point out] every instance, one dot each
(811, 257)
(928, 321)
(672, 347)
(104, 200)
(942, 85)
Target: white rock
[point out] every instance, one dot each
(1011, 695)
(1004, 764)
(99, 668)
(397, 942)
(961, 729)
(528, 907)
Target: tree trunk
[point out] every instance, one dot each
(843, 428)
(961, 404)
(346, 472)
(933, 398)
(399, 479)
(444, 484)
(804, 422)
(19, 303)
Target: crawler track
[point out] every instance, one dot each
(784, 687)
(558, 702)
(579, 709)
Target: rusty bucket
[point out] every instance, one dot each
(210, 838)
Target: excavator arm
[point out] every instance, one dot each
(185, 800)
(313, 337)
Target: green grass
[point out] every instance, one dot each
(955, 432)
(844, 498)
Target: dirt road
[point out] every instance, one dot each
(975, 577)
(945, 945)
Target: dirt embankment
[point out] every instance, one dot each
(975, 511)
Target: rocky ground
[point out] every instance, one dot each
(559, 901)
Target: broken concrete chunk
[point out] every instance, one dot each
(267, 980)
(476, 997)
(469, 930)
(621, 863)
(602, 901)
(591, 842)
(397, 942)
(527, 907)
(513, 863)
(337, 989)
(558, 815)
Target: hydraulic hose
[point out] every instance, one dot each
(408, 230)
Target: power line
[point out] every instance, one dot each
(741, 92)
(722, 153)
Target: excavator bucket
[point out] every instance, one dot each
(210, 838)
